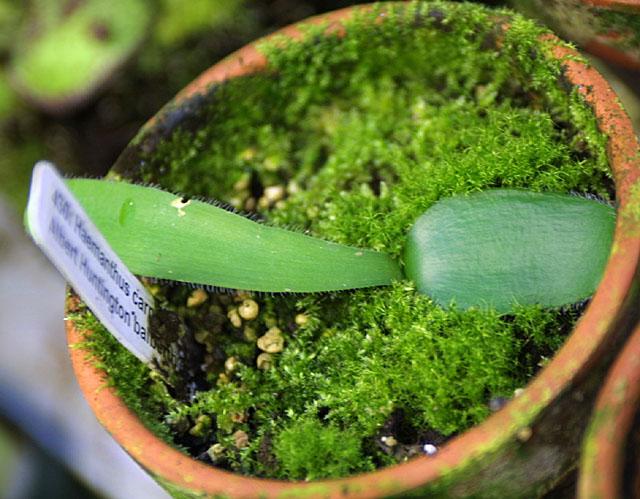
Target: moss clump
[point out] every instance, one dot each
(307, 449)
(359, 135)
(126, 372)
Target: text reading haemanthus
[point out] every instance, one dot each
(126, 311)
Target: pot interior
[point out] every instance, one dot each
(350, 135)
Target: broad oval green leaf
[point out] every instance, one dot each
(502, 247)
(157, 234)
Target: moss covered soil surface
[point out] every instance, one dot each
(351, 139)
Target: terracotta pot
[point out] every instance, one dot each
(527, 446)
(610, 465)
(585, 23)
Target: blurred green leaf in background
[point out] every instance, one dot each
(178, 21)
(67, 50)
(79, 77)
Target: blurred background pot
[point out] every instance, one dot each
(523, 449)
(610, 465)
(609, 29)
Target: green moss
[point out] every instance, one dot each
(366, 132)
(127, 373)
(307, 449)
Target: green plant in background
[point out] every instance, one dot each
(498, 248)
(9, 20)
(72, 47)
(66, 50)
(175, 23)
(183, 36)
(10, 14)
(8, 99)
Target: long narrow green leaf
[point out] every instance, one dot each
(158, 235)
(500, 247)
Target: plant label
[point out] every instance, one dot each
(61, 228)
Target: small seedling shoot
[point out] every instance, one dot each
(495, 249)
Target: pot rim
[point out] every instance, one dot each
(603, 456)
(615, 4)
(605, 45)
(601, 47)
(582, 349)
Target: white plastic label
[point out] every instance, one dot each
(64, 232)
